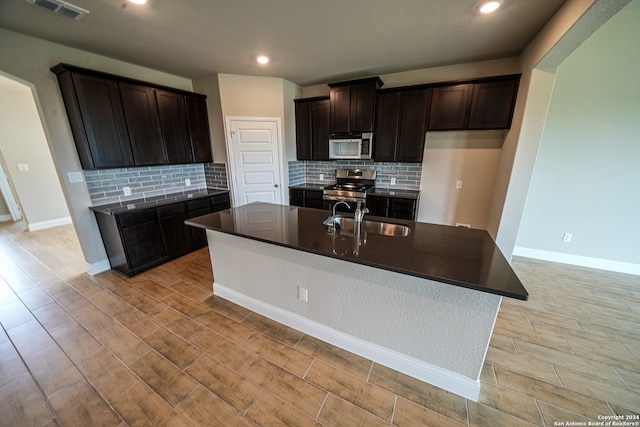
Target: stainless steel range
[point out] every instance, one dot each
(351, 186)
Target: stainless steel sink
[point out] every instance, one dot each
(374, 227)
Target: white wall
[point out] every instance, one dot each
(470, 157)
(251, 96)
(29, 59)
(568, 28)
(586, 174)
(22, 141)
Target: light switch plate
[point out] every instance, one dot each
(187, 182)
(126, 191)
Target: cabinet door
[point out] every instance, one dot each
(363, 102)
(100, 124)
(175, 234)
(142, 240)
(402, 208)
(449, 107)
(386, 134)
(303, 130)
(320, 117)
(340, 109)
(412, 128)
(296, 197)
(492, 104)
(143, 122)
(199, 129)
(377, 205)
(313, 199)
(175, 127)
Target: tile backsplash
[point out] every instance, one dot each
(107, 185)
(407, 175)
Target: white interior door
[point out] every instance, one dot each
(254, 151)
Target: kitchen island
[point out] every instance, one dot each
(423, 303)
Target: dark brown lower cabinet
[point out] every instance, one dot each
(175, 234)
(141, 239)
(388, 207)
(306, 198)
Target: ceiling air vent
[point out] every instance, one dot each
(61, 8)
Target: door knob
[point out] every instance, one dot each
(276, 185)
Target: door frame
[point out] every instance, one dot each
(231, 158)
(8, 194)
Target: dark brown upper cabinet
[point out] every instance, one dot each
(401, 124)
(119, 122)
(199, 128)
(353, 105)
(97, 120)
(492, 104)
(474, 105)
(143, 122)
(312, 128)
(450, 107)
(175, 126)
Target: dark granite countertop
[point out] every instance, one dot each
(128, 206)
(394, 192)
(377, 191)
(317, 187)
(453, 255)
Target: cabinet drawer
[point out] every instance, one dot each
(299, 194)
(132, 218)
(172, 209)
(377, 201)
(198, 203)
(220, 199)
(313, 194)
(408, 204)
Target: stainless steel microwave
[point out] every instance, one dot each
(351, 147)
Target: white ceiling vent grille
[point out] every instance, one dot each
(61, 8)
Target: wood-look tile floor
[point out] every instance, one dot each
(159, 349)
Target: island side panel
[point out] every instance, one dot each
(442, 326)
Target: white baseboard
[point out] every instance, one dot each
(42, 225)
(98, 267)
(5, 217)
(450, 381)
(583, 261)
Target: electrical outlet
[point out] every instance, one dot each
(187, 182)
(458, 185)
(459, 224)
(126, 191)
(23, 167)
(303, 294)
(393, 181)
(75, 176)
(566, 237)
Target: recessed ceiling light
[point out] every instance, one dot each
(490, 6)
(138, 1)
(262, 59)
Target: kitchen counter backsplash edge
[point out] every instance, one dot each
(107, 186)
(322, 173)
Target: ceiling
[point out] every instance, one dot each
(308, 41)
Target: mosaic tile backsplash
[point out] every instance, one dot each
(107, 185)
(407, 175)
